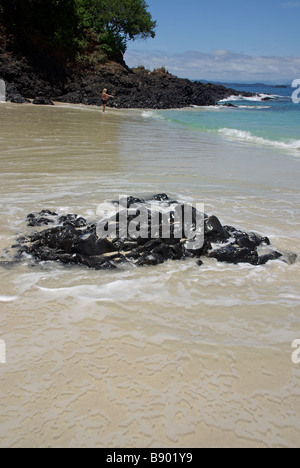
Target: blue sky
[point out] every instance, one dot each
(232, 40)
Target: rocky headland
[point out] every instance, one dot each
(44, 80)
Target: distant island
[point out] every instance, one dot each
(68, 51)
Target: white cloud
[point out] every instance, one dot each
(291, 4)
(219, 65)
(219, 52)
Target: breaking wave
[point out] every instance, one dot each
(248, 136)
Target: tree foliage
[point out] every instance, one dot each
(78, 25)
(43, 23)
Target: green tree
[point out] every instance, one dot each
(114, 22)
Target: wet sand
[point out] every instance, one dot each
(169, 356)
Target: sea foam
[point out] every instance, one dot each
(254, 107)
(7, 298)
(147, 114)
(257, 98)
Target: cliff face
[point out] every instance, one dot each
(31, 77)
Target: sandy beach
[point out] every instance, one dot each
(169, 356)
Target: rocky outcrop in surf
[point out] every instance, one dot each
(190, 234)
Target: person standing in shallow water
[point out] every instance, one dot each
(105, 97)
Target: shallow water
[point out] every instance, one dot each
(272, 123)
(174, 355)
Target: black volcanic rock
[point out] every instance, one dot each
(14, 96)
(72, 240)
(228, 104)
(42, 101)
(235, 254)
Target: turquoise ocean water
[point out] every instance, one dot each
(275, 122)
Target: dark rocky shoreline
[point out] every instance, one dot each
(132, 89)
(70, 239)
(45, 81)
